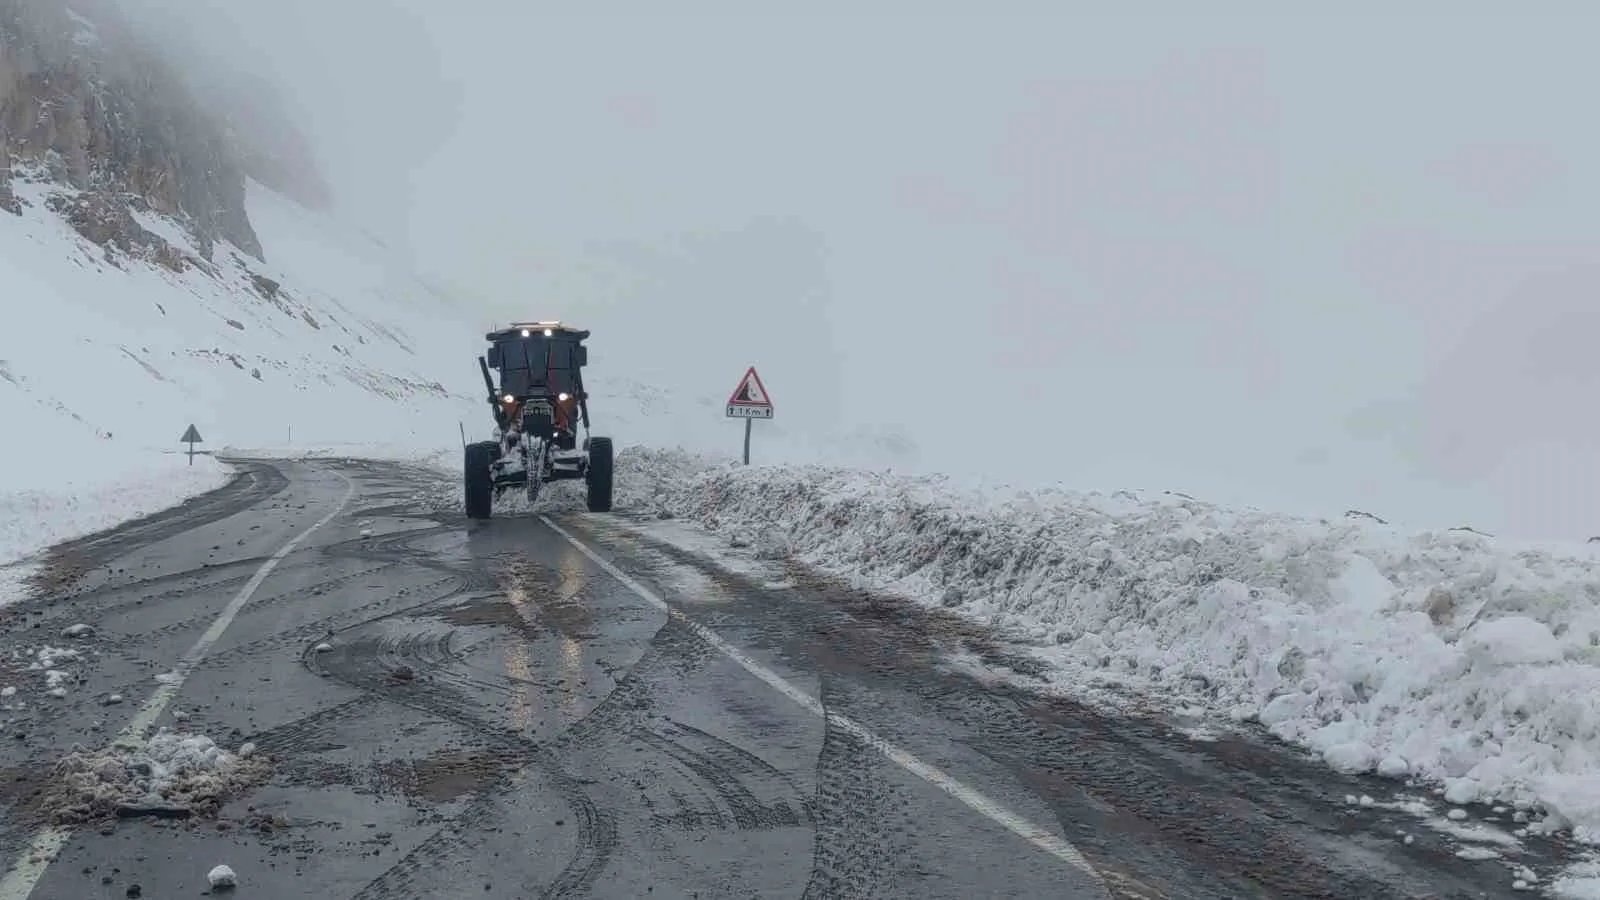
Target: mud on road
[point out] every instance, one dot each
(411, 705)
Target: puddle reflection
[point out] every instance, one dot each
(519, 659)
(516, 581)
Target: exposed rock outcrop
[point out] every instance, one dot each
(107, 220)
(8, 199)
(90, 106)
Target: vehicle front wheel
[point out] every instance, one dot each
(598, 475)
(477, 479)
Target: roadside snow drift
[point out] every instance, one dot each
(1444, 656)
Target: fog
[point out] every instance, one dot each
(1304, 262)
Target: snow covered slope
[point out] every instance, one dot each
(108, 353)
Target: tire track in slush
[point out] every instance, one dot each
(620, 718)
(302, 735)
(425, 656)
(299, 634)
(723, 767)
(617, 718)
(366, 664)
(596, 828)
(597, 837)
(108, 638)
(112, 598)
(850, 856)
(740, 790)
(435, 851)
(63, 565)
(256, 605)
(1041, 837)
(398, 547)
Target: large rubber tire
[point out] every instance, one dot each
(476, 479)
(598, 475)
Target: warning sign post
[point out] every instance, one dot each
(191, 437)
(749, 402)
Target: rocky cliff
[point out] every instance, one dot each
(84, 103)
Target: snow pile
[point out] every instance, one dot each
(222, 877)
(48, 661)
(44, 666)
(175, 775)
(48, 657)
(1445, 656)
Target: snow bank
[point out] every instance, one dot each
(1444, 656)
(175, 775)
(426, 457)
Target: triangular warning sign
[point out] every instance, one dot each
(191, 436)
(750, 392)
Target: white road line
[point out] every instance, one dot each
(990, 809)
(24, 875)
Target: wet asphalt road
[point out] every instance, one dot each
(495, 714)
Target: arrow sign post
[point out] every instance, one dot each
(749, 402)
(191, 437)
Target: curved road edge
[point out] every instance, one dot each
(59, 567)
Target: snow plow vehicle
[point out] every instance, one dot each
(538, 407)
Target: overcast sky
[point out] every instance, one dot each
(1302, 261)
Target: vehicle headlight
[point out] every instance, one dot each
(509, 399)
(564, 397)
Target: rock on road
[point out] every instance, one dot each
(573, 708)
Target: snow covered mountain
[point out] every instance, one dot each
(110, 352)
(150, 281)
